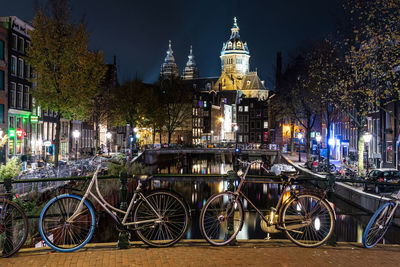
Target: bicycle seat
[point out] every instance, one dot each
(143, 177)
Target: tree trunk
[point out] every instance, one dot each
(328, 136)
(291, 137)
(169, 137)
(96, 135)
(360, 145)
(160, 137)
(57, 141)
(154, 135)
(308, 135)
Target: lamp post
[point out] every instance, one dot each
(212, 136)
(367, 138)
(318, 138)
(235, 129)
(76, 134)
(108, 136)
(300, 135)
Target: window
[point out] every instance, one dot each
(265, 124)
(27, 45)
(20, 68)
(1, 80)
(14, 42)
(19, 96)
(21, 45)
(12, 94)
(1, 49)
(240, 108)
(27, 71)
(1, 113)
(246, 108)
(248, 82)
(12, 122)
(13, 65)
(26, 97)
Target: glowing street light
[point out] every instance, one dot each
(300, 136)
(76, 134)
(367, 138)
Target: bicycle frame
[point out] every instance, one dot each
(394, 209)
(285, 185)
(109, 208)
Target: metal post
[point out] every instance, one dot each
(367, 161)
(76, 148)
(330, 189)
(299, 152)
(232, 176)
(8, 246)
(123, 238)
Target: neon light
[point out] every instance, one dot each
(19, 132)
(11, 133)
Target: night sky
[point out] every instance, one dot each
(137, 32)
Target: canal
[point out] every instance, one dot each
(350, 221)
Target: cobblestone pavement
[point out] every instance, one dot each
(199, 253)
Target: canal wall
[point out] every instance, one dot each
(355, 196)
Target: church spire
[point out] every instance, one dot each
(191, 71)
(235, 29)
(169, 67)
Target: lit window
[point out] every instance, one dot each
(265, 124)
(246, 108)
(20, 68)
(248, 82)
(240, 108)
(13, 65)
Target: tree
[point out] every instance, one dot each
(176, 103)
(66, 74)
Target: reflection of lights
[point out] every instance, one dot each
(331, 142)
(317, 224)
(298, 207)
(265, 188)
(221, 186)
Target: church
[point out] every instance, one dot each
(228, 108)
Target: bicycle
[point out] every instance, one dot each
(307, 219)
(13, 226)
(380, 222)
(160, 219)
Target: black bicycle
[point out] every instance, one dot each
(13, 226)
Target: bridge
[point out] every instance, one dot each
(151, 155)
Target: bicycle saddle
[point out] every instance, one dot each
(143, 177)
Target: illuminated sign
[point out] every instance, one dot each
(34, 119)
(11, 133)
(19, 132)
(47, 143)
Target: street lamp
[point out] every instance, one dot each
(367, 138)
(108, 136)
(76, 134)
(235, 129)
(318, 138)
(212, 136)
(300, 135)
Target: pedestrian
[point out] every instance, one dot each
(24, 160)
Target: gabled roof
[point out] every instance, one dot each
(251, 81)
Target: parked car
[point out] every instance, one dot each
(382, 175)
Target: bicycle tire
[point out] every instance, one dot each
(214, 223)
(303, 225)
(13, 221)
(379, 230)
(173, 225)
(53, 226)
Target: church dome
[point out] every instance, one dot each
(234, 44)
(191, 71)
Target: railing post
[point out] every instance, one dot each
(123, 238)
(232, 176)
(330, 189)
(8, 246)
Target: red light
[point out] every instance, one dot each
(19, 132)
(380, 179)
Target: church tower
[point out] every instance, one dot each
(235, 54)
(169, 68)
(191, 72)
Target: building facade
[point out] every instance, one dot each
(3, 89)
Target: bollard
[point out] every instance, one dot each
(330, 189)
(232, 176)
(123, 237)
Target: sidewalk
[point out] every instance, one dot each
(200, 253)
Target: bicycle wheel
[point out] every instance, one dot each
(13, 227)
(308, 220)
(164, 231)
(221, 218)
(378, 225)
(60, 233)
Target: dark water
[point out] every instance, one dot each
(350, 222)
